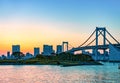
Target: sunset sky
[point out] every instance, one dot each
(32, 23)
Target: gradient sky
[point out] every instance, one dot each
(32, 23)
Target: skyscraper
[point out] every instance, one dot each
(47, 49)
(59, 49)
(36, 51)
(15, 48)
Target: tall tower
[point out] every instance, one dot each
(63, 46)
(101, 31)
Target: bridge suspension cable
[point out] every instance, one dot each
(87, 39)
(105, 38)
(91, 42)
(70, 46)
(112, 37)
(94, 39)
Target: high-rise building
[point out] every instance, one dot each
(47, 49)
(15, 48)
(36, 51)
(51, 49)
(59, 49)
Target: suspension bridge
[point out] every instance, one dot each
(86, 45)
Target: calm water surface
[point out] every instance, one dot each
(108, 73)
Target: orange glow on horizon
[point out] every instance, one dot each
(32, 34)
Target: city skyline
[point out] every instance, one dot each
(36, 22)
(47, 50)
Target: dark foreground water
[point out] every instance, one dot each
(108, 73)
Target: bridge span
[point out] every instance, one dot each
(99, 31)
(92, 47)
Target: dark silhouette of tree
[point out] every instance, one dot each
(40, 56)
(18, 55)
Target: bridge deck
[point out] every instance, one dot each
(92, 47)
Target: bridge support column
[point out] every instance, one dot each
(104, 36)
(95, 54)
(104, 54)
(101, 31)
(97, 36)
(63, 48)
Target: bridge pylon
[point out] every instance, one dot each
(63, 46)
(100, 31)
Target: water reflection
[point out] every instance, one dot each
(56, 74)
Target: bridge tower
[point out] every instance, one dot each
(63, 46)
(100, 31)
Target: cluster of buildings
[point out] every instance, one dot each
(47, 51)
(112, 55)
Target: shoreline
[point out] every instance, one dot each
(63, 59)
(62, 64)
